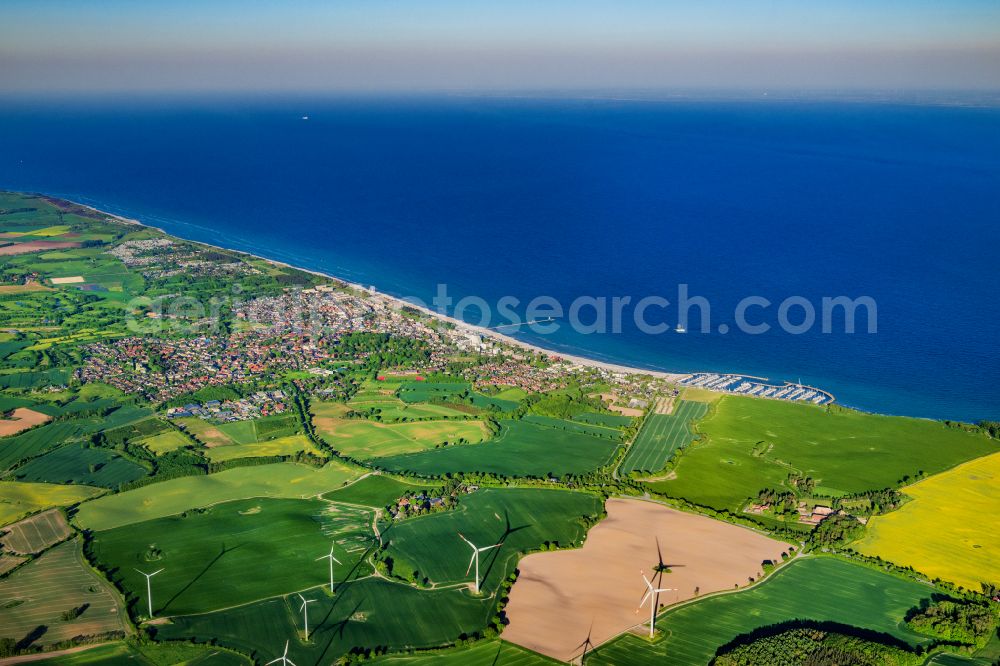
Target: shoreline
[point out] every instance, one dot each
(397, 302)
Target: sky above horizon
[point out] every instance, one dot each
(52, 46)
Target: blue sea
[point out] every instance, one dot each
(565, 198)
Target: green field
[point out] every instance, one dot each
(36, 441)
(27, 380)
(661, 435)
(482, 653)
(522, 518)
(366, 613)
(18, 499)
(374, 490)
(521, 449)
(606, 420)
(750, 444)
(36, 595)
(392, 413)
(494, 402)
(582, 427)
(234, 553)
(76, 464)
(283, 446)
(287, 480)
(814, 588)
(428, 391)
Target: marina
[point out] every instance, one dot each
(759, 387)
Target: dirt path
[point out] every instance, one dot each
(39, 656)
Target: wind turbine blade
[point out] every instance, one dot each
(335, 559)
(648, 584)
(467, 541)
(139, 571)
(322, 557)
(155, 572)
(273, 661)
(289, 661)
(469, 568)
(644, 597)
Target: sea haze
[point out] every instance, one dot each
(607, 198)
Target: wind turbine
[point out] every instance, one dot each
(149, 590)
(285, 661)
(332, 560)
(305, 612)
(652, 593)
(475, 557)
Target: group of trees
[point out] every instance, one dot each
(873, 501)
(815, 646)
(835, 530)
(971, 623)
(782, 502)
(383, 350)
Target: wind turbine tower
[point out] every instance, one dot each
(653, 594)
(475, 557)
(305, 613)
(149, 590)
(332, 560)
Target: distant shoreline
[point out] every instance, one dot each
(399, 302)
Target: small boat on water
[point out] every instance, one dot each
(680, 329)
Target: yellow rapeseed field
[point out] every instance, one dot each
(949, 529)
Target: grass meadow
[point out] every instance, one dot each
(164, 442)
(363, 439)
(814, 588)
(521, 449)
(750, 444)
(522, 518)
(282, 480)
(374, 490)
(661, 436)
(955, 514)
(233, 553)
(283, 446)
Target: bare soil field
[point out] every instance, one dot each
(35, 534)
(561, 596)
(35, 246)
(20, 420)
